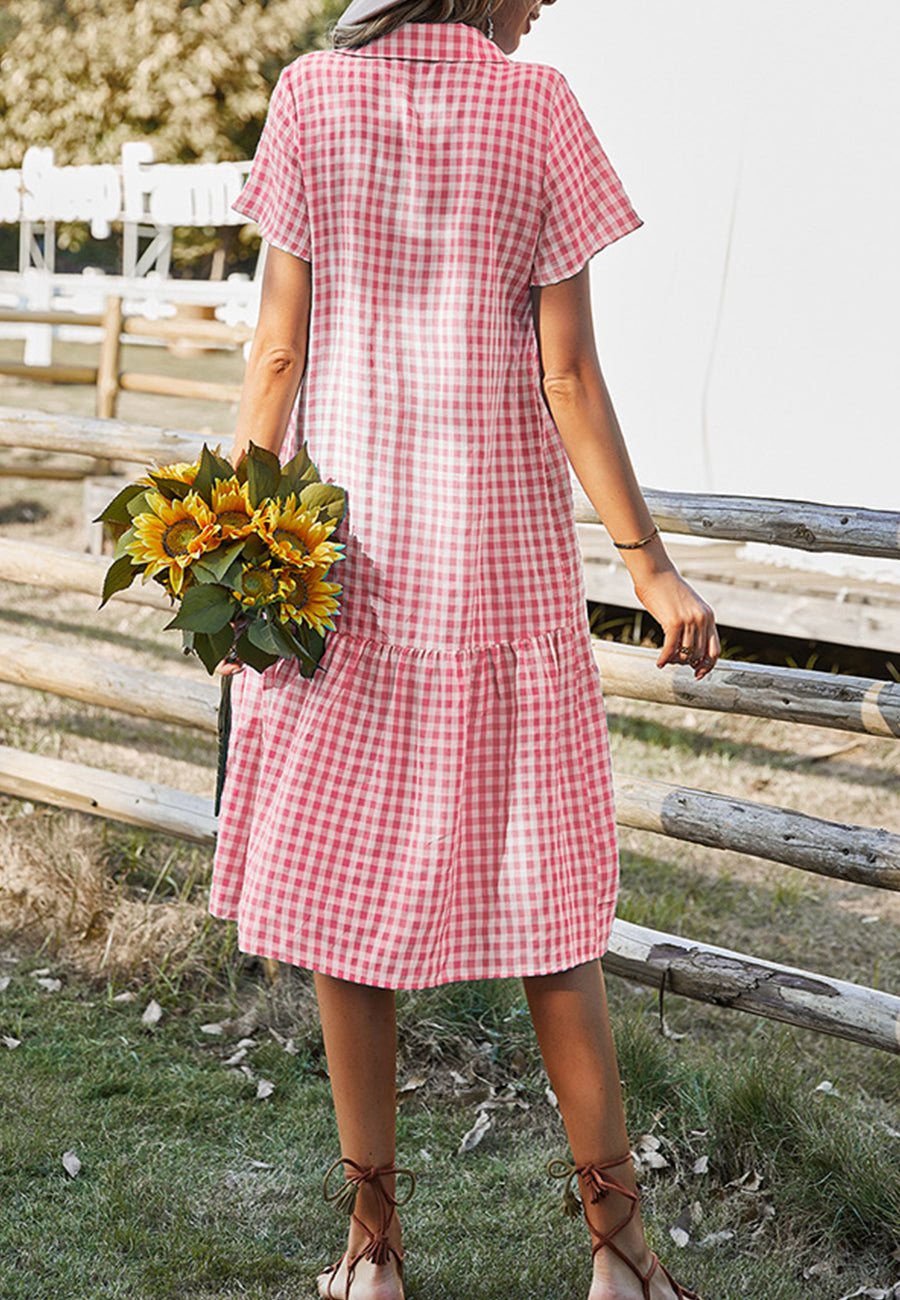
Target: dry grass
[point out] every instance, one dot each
(57, 894)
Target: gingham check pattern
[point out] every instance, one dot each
(437, 804)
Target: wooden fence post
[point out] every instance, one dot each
(108, 364)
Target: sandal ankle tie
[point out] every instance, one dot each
(378, 1249)
(599, 1184)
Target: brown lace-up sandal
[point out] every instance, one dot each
(378, 1250)
(601, 1184)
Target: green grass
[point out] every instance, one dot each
(169, 1202)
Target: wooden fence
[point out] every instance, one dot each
(107, 376)
(859, 854)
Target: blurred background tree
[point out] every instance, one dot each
(193, 76)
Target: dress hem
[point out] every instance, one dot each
(275, 952)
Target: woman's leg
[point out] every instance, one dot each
(360, 1030)
(571, 1020)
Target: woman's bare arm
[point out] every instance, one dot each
(277, 354)
(583, 413)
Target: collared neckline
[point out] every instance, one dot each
(432, 42)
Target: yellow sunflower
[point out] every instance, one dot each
(232, 509)
(297, 537)
(171, 535)
(308, 599)
(181, 472)
(259, 586)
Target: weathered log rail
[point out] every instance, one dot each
(852, 853)
(803, 525)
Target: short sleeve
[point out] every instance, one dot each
(274, 195)
(583, 204)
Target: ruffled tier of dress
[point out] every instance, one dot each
(410, 817)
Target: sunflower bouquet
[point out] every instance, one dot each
(245, 553)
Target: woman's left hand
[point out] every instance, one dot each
(688, 622)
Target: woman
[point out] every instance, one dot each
(437, 804)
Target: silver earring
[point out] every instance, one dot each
(490, 30)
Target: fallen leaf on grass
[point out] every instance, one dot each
(49, 984)
(37, 974)
(410, 1088)
(751, 1181)
(153, 1013)
(212, 1030)
(236, 1058)
(716, 1239)
(679, 1236)
(476, 1133)
(701, 1165)
(127, 996)
(287, 1043)
(827, 1086)
(71, 1164)
(242, 1025)
(648, 1152)
(875, 1293)
(4, 982)
(551, 1097)
(10, 1042)
(260, 1164)
(264, 1089)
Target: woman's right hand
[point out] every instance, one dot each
(688, 622)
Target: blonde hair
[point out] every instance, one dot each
(473, 12)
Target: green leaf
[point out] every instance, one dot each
(215, 564)
(263, 474)
(295, 646)
(292, 473)
(205, 608)
(212, 470)
(212, 647)
(173, 489)
(248, 653)
(327, 498)
(263, 636)
(138, 505)
(119, 576)
(117, 510)
(126, 537)
(313, 641)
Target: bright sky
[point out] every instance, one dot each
(775, 370)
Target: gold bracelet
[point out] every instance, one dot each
(633, 546)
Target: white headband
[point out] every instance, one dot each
(360, 11)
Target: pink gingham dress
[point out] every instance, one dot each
(437, 804)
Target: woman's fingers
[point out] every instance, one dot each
(693, 642)
(226, 669)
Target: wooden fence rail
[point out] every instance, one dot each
(803, 525)
(107, 376)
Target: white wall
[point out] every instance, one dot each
(775, 370)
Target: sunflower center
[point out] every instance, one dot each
(232, 518)
(178, 537)
(299, 593)
(291, 541)
(257, 583)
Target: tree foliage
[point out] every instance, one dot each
(85, 76)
